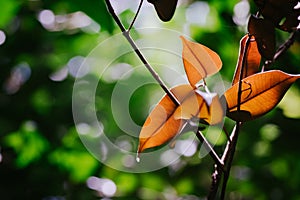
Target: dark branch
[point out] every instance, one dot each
(136, 14)
(139, 53)
(228, 156)
(209, 148)
(282, 49)
(216, 178)
(285, 46)
(231, 144)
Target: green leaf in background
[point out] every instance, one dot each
(28, 144)
(8, 11)
(79, 164)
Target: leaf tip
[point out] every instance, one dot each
(138, 159)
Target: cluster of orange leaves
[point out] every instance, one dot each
(252, 94)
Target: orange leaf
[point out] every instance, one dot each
(165, 8)
(191, 106)
(252, 59)
(166, 120)
(161, 125)
(199, 61)
(260, 93)
(215, 114)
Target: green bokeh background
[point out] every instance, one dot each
(42, 156)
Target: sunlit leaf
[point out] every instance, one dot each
(161, 125)
(204, 106)
(213, 113)
(199, 61)
(191, 106)
(165, 8)
(264, 33)
(260, 93)
(252, 57)
(216, 111)
(166, 120)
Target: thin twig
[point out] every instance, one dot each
(217, 174)
(139, 53)
(136, 14)
(216, 178)
(113, 14)
(282, 49)
(285, 46)
(229, 157)
(209, 148)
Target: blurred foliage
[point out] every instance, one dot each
(42, 156)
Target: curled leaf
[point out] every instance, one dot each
(167, 120)
(264, 33)
(252, 57)
(199, 61)
(260, 93)
(165, 8)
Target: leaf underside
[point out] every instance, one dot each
(260, 93)
(199, 61)
(166, 120)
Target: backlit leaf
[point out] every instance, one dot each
(191, 106)
(264, 33)
(199, 61)
(161, 126)
(213, 113)
(207, 106)
(166, 120)
(165, 8)
(260, 93)
(216, 113)
(252, 57)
